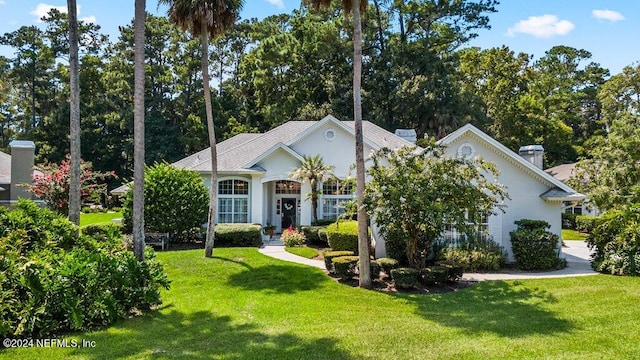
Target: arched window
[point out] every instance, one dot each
(233, 201)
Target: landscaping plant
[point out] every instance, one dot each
(534, 247)
(616, 242)
(292, 237)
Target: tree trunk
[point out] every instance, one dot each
(213, 189)
(74, 121)
(138, 131)
(364, 265)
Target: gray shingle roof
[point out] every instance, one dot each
(562, 172)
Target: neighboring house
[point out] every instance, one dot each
(16, 169)
(563, 173)
(254, 184)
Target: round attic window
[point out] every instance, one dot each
(466, 151)
(330, 134)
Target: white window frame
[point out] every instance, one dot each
(337, 199)
(233, 197)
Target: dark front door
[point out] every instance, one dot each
(288, 212)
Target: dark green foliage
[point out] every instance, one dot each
(315, 234)
(329, 255)
(534, 247)
(343, 236)
(569, 221)
(52, 282)
(585, 223)
(396, 245)
(433, 275)
(387, 264)
(323, 222)
(454, 270)
(375, 269)
(345, 266)
(475, 253)
(616, 242)
(238, 235)
(103, 232)
(175, 200)
(405, 278)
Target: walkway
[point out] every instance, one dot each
(576, 253)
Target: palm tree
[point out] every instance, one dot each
(74, 118)
(314, 170)
(355, 7)
(138, 130)
(206, 18)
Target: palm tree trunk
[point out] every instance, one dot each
(138, 131)
(213, 189)
(364, 265)
(74, 120)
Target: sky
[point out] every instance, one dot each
(606, 28)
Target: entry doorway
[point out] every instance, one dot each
(289, 212)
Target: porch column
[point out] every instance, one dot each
(257, 190)
(306, 211)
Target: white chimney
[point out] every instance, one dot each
(407, 134)
(22, 154)
(533, 154)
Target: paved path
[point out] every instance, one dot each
(576, 253)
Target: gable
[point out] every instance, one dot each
(278, 164)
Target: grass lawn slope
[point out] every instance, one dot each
(243, 305)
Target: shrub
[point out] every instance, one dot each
(586, 223)
(454, 270)
(343, 236)
(616, 242)
(291, 237)
(329, 255)
(103, 232)
(375, 269)
(475, 253)
(432, 275)
(238, 235)
(569, 221)
(175, 200)
(53, 282)
(315, 234)
(388, 264)
(405, 278)
(345, 266)
(323, 222)
(534, 247)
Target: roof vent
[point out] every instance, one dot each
(533, 154)
(407, 134)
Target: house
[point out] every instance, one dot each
(254, 186)
(16, 169)
(564, 172)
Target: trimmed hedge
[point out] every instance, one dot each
(323, 222)
(405, 278)
(343, 236)
(238, 235)
(329, 255)
(455, 271)
(534, 247)
(569, 221)
(433, 275)
(474, 253)
(375, 269)
(315, 234)
(388, 264)
(586, 224)
(345, 266)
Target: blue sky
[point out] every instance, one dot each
(606, 28)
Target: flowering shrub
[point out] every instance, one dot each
(292, 237)
(52, 185)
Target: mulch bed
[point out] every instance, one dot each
(385, 284)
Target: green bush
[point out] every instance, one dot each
(238, 235)
(388, 264)
(616, 242)
(343, 236)
(103, 232)
(586, 223)
(405, 278)
(534, 247)
(175, 201)
(475, 253)
(345, 266)
(569, 221)
(454, 270)
(323, 222)
(52, 282)
(375, 269)
(315, 234)
(433, 275)
(329, 255)
(292, 237)
(395, 245)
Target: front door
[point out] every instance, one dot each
(288, 212)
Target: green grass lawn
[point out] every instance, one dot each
(303, 251)
(243, 305)
(568, 234)
(97, 218)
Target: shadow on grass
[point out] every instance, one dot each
(285, 279)
(505, 309)
(201, 335)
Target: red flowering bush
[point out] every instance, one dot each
(292, 237)
(52, 184)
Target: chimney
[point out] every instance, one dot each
(22, 154)
(407, 134)
(533, 154)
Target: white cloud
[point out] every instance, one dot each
(2, 2)
(88, 19)
(277, 3)
(607, 15)
(544, 26)
(42, 10)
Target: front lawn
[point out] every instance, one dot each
(243, 305)
(303, 251)
(568, 234)
(98, 218)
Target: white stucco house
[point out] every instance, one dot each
(254, 186)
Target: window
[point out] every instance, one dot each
(334, 196)
(481, 227)
(233, 201)
(287, 187)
